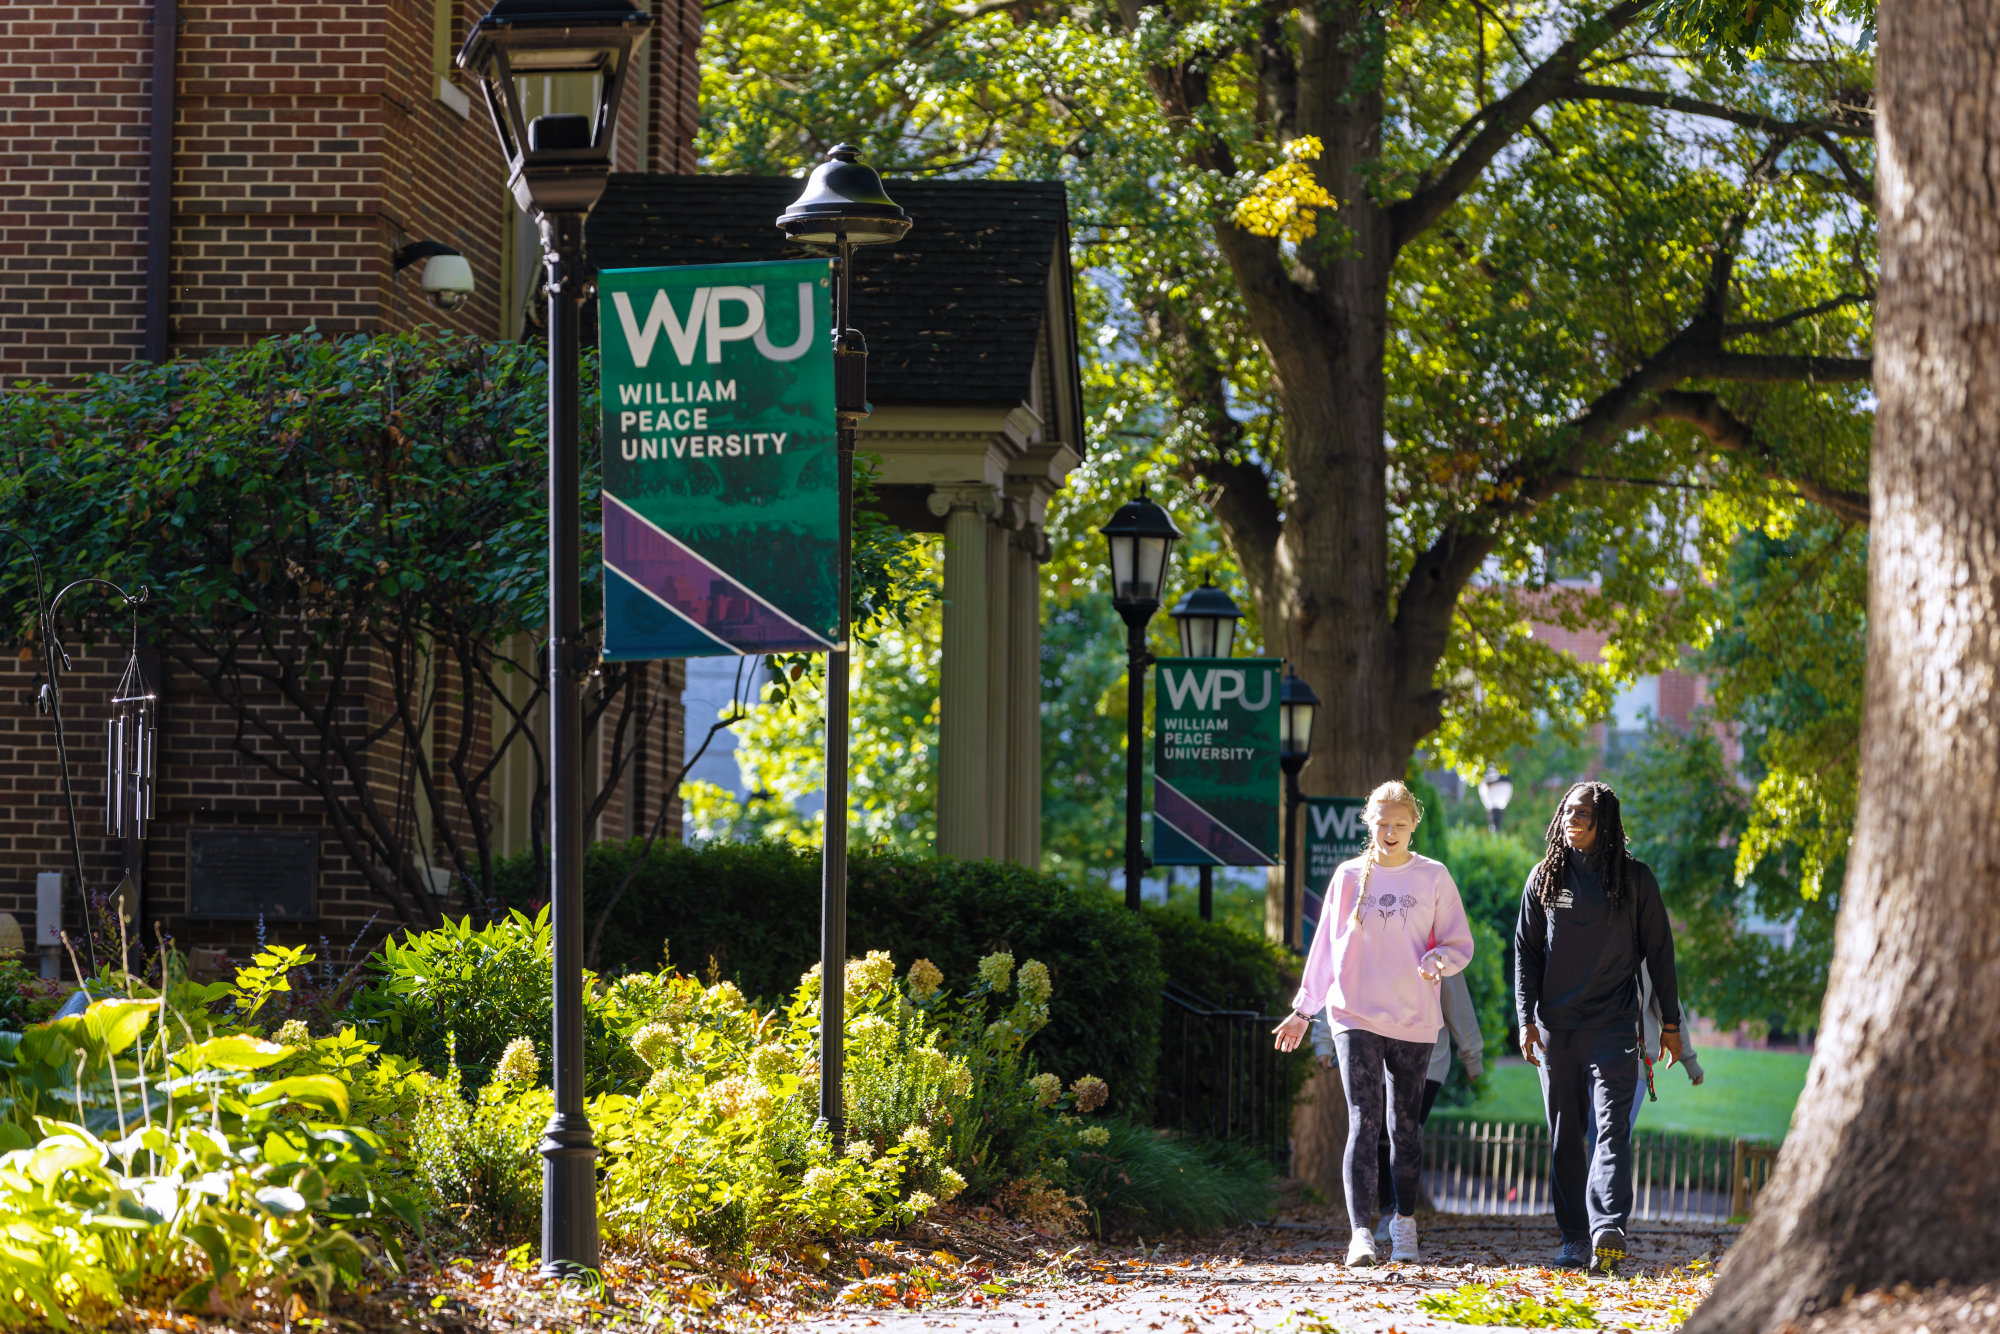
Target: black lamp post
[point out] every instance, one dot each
(557, 167)
(1297, 704)
(843, 206)
(1206, 622)
(1141, 536)
(1495, 791)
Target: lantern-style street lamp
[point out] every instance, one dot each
(1206, 621)
(1141, 539)
(1297, 706)
(842, 207)
(557, 166)
(1495, 791)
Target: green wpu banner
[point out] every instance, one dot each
(1215, 762)
(1334, 833)
(721, 499)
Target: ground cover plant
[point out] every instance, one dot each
(152, 1148)
(1488, 1304)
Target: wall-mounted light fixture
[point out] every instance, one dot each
(447, 277)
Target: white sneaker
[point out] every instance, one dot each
(1361, 1250)
(1403, 1240)
(1382, 1228)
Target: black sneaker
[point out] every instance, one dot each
(1575, 1254)
(1610, 1250)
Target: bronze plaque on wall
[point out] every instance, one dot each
(243, 874)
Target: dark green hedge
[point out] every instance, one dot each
(1221, 963)
(750, 911)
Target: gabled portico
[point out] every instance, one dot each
(977, 420)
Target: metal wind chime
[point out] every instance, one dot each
(130, 749)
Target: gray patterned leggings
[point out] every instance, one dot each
(1367, 1060)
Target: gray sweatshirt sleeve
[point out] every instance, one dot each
(1322, 1037)
(1461, 1029)
(1461, 1020)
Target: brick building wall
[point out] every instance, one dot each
(74, 85)
(310, 141)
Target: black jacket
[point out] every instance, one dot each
(1577, 966)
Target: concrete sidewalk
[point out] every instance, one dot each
(1289, 1276)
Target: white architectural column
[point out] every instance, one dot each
(999, 694)
(962, 767)
(1023, 803)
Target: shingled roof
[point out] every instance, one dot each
(953, 311)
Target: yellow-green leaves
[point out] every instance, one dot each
(1285, 200)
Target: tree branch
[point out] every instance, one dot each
(1580, 91)
(1858, 185)
(1244, 504)
(1808, 312)
(1548, 82)
(1765, 368)
(1731, 434)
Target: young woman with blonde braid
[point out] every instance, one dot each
(1393, 929)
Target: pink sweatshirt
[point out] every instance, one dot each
(1365, 973)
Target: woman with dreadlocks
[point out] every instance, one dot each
(1590, 916)
(1393, 928)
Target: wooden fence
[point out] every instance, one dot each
(1486, 1167)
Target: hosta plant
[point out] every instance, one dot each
(138, 1167)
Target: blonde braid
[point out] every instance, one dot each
(1391, 793)
(1367, 869)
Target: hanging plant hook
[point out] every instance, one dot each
(48, 699)
(130, 737)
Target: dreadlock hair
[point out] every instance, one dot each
(1391, 793)
(1608, 853)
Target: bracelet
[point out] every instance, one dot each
(1670, 1028)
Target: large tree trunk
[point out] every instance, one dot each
(1892, 1170)
(1319, 1135)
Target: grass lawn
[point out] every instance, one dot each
(1748, 1093)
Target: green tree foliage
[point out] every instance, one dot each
(1686, 817)
(1603, 300)
(1788, 667)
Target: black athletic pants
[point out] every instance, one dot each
(1588, 1079)
(1381, 1075)
(1385, 1181)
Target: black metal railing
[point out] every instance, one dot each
(1220, 1075)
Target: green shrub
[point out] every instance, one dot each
(722, 1147)
(24, 998)
(750, 912)
(1009, 1125)
(455, 997)
(1151, 1182)
(478, 1162)
(1221, 963)
(141, 1162)
(1490, 870)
